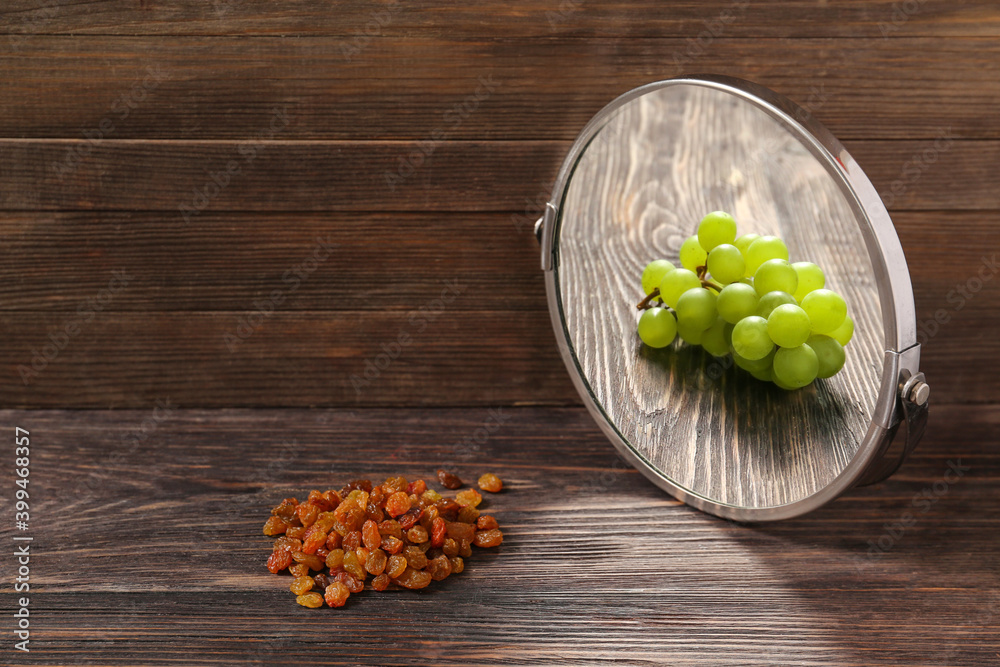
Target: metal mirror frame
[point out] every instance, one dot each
(900, 413)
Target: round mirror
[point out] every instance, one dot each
(636, 183)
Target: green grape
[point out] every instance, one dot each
(692, 255)
(763, 249)
(690, 335)
(653, 274)
(714, 339)
(736, 301)
(743, 242)
(788, 326)
(826, 310)
(764, 375)
(657, 327)
(795, 366)
(810, 278)
(775, 275)
(716, 229)
(675, 283)
(772, 300)
(844, 332)
(756, 364)
(726, 264)
(830, 354)
(696, 308)
(778, 382)
(750, 339)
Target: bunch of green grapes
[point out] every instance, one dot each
(741, 296)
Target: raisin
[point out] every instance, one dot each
(307, 514)
(279, 560)
(450, 547)
(352, 540)
(353, 584)
(332, 498)
(381, 582)
(431, 496)
(415, 557)
(313, 539)
(286, 543)
(392, 544)
(427, 517)
(488, 538)
(322, 552)
(468, 514)
(412, 578)
(398, 503)
(438, 532)
(417, 487)
(410, 519)
(319, 500)
(374, 512)
(457, 564)
(391, 527)
(448, 509)
(377, 495)
(460, 531)
(490, 482)
(362, 553)
(468, 497)
(359, 497)
(417, 535)
(275, 526)
(448, 480)
(486, 522)
(362, 484)
(286, 510)
(302, 585)
(295, 532)
(395, 566)
(353, 566)
(326, 521)
(464, 548)
(349, 516)
(335, 558)
(376, 562)
(321, 581)
(314, 562)
(311, 600)
(336, 594)
(394, 485)
(370, 535)
(334, 541)
(298, 569)
(439, 568)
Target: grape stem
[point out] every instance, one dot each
(648, 301)
(702, 272)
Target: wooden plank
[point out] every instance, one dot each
(183, 176)
(520, 18)
(54, 261)
(130, 359)
(414, 87)
(141, 541)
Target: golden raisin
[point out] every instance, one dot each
(490, 482)
(394, 485)
(450, 547)
(314, 562)
(488, 538)
(301, 585)
(370, 535)
(411, 518)
(286, 543)
(307, 514)
(336, 594)
(286, 510)
(298, 569)
(391, 527)
(486, 522)
(468, 498)
(395, 566)
(334, 541)
(412, 578)
(464, 548)
(439, 568)
(353, 584)
(295, 532)
(381, 582)
(335, 558)
(468, 514)
(279, 560)
(397, 504)
(392, 545)
(275, 526)
(313, 539)
(376, 562)
(457, 564)
(311, 600)
(448, 480)
(417, 535)
(353, 566)
(352, 540)
(415, 557)
(460, 531)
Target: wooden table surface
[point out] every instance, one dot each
(230, 209)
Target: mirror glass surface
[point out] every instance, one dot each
(639, 188)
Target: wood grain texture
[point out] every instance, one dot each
(457, 176)
(517, 19)
(410, 87)
(152, 552)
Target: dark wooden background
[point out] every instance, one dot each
(147, 546)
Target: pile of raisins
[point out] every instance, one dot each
(401, 533)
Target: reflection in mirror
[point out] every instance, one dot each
(663, 161)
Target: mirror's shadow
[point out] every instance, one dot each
(653, 171)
